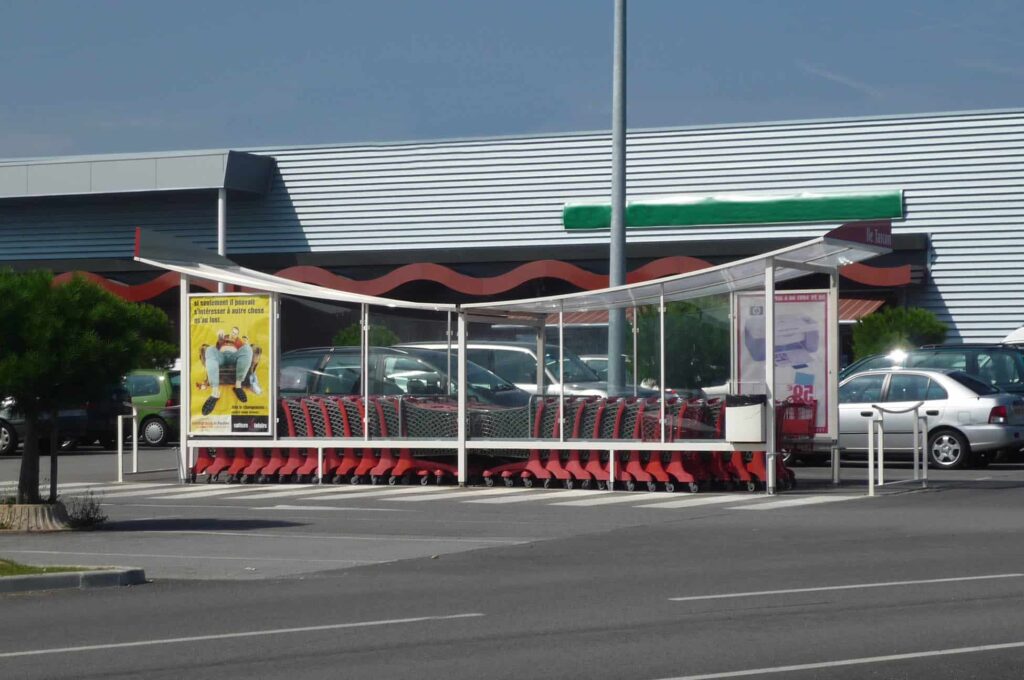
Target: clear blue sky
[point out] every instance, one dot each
(102, 76)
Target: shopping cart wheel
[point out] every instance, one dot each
(670, 487)
(424, 480)
(569, 483)
(652, 486)
(528, 482)
(355, 480)
(694, 487)
(751, 486)
(392, 481)
(374, 480)
(585, 484)
(547, 483)
(630, 485)
(488, 481)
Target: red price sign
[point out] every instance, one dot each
(803, 392)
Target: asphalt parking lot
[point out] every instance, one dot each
(313, 582)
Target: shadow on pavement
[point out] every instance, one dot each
(197, 524)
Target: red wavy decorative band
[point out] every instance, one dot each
(483, 286)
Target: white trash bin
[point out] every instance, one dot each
(744, 417)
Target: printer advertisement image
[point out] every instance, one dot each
(801, 347)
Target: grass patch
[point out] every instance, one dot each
(11, 568)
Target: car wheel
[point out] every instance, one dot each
(948, 449)
(154, 431)
(8, 440)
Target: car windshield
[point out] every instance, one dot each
(575, 369)
(973, 384)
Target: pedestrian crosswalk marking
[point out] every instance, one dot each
(526, 497)
(797, 502)
(581, 498)
(691, 501)
(607, 498)
(345, 493)
(463, 493)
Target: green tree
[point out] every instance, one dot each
(696, 343)
(894, 327)
(64, 345)
(380, 336)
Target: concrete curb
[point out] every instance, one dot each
(102, 578)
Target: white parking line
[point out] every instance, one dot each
(692, 501)
(851, 662)
(463, 494)
(608, 498)
(795, 502)
(228, 636)
(279, 492)
(345, 493)
(163, 489)
(856, 586)
(532, 496)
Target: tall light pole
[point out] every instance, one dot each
(617, 250)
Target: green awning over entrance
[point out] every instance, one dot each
(726, 209)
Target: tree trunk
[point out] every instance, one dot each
(28, 480)
(54, 450)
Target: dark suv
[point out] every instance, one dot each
(393, 371)
(1001, 366)
(95, 421)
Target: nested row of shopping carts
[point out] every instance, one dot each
(570, 419)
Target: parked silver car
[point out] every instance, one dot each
(517, 363)
(969, 421)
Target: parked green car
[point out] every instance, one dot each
(156, 395)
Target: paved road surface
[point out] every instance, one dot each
(907, 585)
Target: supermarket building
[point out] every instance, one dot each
(471, 219)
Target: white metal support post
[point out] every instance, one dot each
(185, 414)
(636, 341)
(871, 450)
(135, 440)
(222, 227)
(661, 349)
(832, 381)
(769, 375)
(561, 374)
(364, 368)
(448, 337)
(541, 347)
(119, 451)
(463, 453)
(923, 444)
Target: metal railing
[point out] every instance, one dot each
(119, 451)
(876, 427)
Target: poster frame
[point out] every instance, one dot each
(831, 421)
(271, 354)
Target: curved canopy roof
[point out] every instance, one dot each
(850, 243)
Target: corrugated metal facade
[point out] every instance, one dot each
(962, 174)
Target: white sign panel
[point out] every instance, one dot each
(801, 348)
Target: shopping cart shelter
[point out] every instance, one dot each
(375, 414)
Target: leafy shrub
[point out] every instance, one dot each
(380, 336)
(896, 327)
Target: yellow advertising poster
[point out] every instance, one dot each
(230, 338)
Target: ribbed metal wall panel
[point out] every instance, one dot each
(962, 174)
